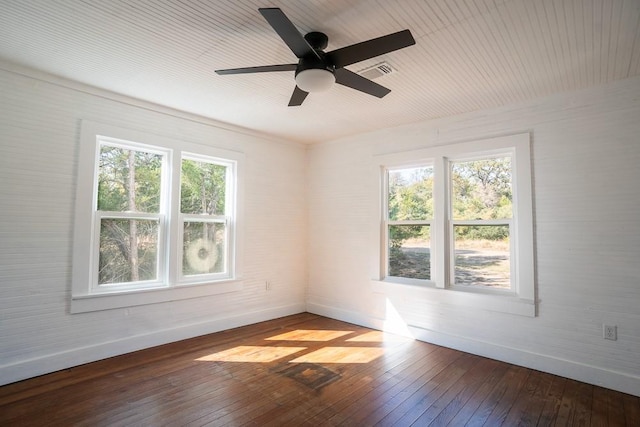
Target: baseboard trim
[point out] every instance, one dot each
(541, 362)
(78, 356)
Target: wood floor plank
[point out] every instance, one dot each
(569, 404)
(419, 401)
(515, 390)
(471, 406)
(382, 405)
(514, 375)
(616, 409)
(307, 370)
(584, 403)
(552, 402)
(448, 406)
(529, 403)
(600, 408)
(393, 382)
(631, 407)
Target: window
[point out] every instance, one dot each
(130, 216)
(152, 214)
(410, 213)
(205, 211)
(459, 218)
(480, 212)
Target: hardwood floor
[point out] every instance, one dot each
(308, 370)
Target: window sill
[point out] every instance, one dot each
(482, 300)
(420, 283)
(107, 301)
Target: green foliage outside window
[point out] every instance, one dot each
(410, 198)
(202, 188)
(482, 191)
(129, 180)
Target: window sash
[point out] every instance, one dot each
(162, 263)
(165, 166)
(227, 269)
(451, 260)
(227, 219)
(161, 259)
(387, 223)
(387, 249)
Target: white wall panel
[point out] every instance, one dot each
(586, 152)
(39, 137)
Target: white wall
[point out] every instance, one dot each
(39, 137)
(586, 163)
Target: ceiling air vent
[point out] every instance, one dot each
(376, 71)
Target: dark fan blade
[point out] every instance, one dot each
(357, 82)
(369, 49)
(297, 97)
(288, 32)
(262, 69)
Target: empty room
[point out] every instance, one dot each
(374, 212)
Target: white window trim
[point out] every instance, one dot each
(83, 295)
(521, 298)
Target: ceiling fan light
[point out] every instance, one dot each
(315, 80)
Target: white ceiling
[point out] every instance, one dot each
(469, 55)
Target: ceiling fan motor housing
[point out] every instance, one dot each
(317, 40)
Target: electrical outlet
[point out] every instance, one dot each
(610, 332)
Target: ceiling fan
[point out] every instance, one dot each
(316, 70)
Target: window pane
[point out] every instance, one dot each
(202, 188)
(409, 251)
(204, 248)
(410, 194)
(481, 189)
(482, 255)
(128, 250)
(129, 180)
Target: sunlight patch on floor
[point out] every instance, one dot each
(251, 353)
(341, 355)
